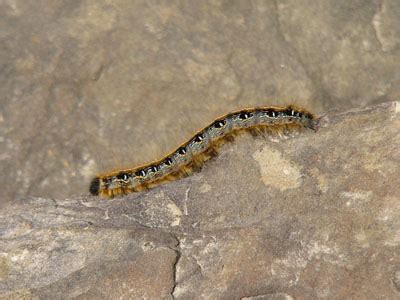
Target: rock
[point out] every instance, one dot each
(306, 216)
(88, 86)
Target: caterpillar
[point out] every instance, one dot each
(191, 155)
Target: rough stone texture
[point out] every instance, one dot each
(96, 84)
(314, 215)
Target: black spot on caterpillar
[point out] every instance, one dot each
(191, 155)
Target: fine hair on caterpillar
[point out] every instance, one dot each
(191, 155)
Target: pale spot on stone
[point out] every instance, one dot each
(396, 280)
(14, 7)
(26, 63)
(176, 212)
(362, 239)
(198, 73)
(87, 169)
(159, 195)
(20, 256)
(323, 181)
(394, 239)
(204, 188)
(93, 20)
(397, 107)
(356, 196)
(274, 296)
(147, 246)
(357, 200)
(389, 216)
(384, 33)
(277, 171)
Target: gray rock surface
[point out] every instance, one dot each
(313, 215)
(97, 84)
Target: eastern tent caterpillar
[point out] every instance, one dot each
(191, 155)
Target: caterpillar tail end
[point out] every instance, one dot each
(95, 186)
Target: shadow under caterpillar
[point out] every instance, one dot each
(191, 155)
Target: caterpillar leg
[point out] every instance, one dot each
(229, 138)
(212, 152)
(196, 164)
(256, 131)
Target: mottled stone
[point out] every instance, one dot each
(226, 232)
(90, 86)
